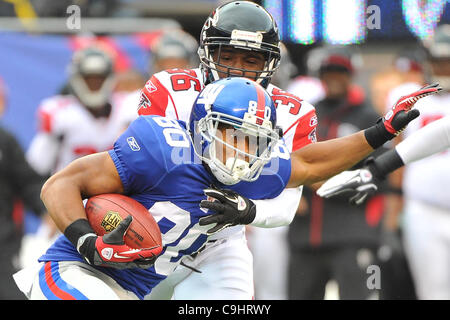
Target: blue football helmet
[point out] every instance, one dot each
(233, 127)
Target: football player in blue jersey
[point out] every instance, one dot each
(166, 165)
(231, 142)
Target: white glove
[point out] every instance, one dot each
(359, 183)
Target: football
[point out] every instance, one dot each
(106, 211)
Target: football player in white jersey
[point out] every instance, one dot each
(238, 39)
(86, 121)
(426, 178)
(425, 184)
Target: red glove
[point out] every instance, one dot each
(110, 250)
(396, 119)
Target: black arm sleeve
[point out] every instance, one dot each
(385, 164)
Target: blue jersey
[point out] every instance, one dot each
(158, 167)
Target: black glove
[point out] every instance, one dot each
(230, 209)
(110, 250)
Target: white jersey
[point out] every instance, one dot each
(67, 131)
(168, 93)
(426, 180)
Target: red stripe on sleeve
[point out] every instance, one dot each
(261, 102)
(45, 121)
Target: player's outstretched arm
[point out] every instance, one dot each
(320, 161)
(361, 183)
(63, 194)
(431, 139)
(313, 163)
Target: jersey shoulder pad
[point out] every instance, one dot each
(295, 116)
(289, 106)
(154, 96)
(275, 91)
(143, 155)
(171, 93)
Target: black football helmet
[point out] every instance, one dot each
(241, 25)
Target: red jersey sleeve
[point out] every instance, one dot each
(296, 117)
(305, 130)
(44, 120)
(154, 98)
(48, 110)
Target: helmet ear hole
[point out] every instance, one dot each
(279, 131)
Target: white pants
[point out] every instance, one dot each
(226, 267)
(427, 247)
(68, 280)
(270, 251)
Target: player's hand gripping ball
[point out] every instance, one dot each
(106, 211)
(127, 234)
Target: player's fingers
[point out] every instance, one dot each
(411, 115)
(124, 225)
(146, 262)
(424, 92)
(212, 205)
(116, 236)
(214, 218)
(357, 199)
(216, 194)
(435, 87)
(150, 252)
(217, 228)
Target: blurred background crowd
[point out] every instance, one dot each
(351, 59)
